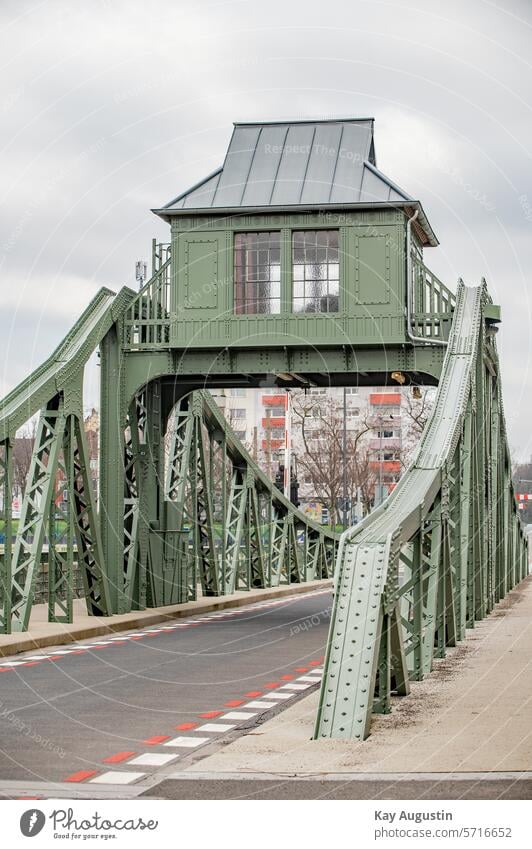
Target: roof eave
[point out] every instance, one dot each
(407, 205)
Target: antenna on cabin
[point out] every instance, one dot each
(141, 272)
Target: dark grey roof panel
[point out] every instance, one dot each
(354, 151)
(236, 167)
(373, 189)
(203, 195)
(293, 165)
(322, 164)
(289, 164)
(377, 187)
(265, 166)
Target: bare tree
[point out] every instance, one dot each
(318, 445)
(22, 454)
(417, 406)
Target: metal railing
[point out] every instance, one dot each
(147, 319)
(432, 303)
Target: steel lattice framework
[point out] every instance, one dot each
(439, 553)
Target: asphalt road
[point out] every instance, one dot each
(77, 710)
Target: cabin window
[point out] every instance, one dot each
(257, 270)
(315, 271)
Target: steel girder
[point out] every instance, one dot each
(59, 454)
(59, 445)
(258, 538)
(439, 553)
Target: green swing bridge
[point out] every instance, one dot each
(296, 263)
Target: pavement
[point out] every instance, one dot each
(100, 717)
(403, 787)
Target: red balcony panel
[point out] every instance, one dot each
(274, 401)
(275, 444)
(387, 465)
(274, 421)
(385, 399)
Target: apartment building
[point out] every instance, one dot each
(267, 419)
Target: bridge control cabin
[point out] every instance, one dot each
(296, 244)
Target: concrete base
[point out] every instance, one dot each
(472, 714)
(43, 633)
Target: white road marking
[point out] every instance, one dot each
(11, 662)
(35, 657)
(237, 714)
(188, 742)
(53, 653)
(312, 678)
(215, 727)
(117, 777)
(262, 705)
(295, 686)
(152, 759)
(280, 695)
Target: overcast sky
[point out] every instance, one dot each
(110, 108)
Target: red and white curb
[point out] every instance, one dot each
(133, 636)
(195, 734)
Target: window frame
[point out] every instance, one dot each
(286, 269)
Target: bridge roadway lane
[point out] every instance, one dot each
(133, 692)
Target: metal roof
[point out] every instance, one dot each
(296, 164)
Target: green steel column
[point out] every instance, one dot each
(112, 448)
(6, 471)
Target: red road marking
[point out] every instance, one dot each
(253, 694)
(210, 714)
(6, 669)
(314, 662)
(301, 668)
(234, 703)
(118, 758)
(82, 775)
(137, 638)
(287, 677)
(31, 663)
(152, 741)
(186, 726)
(79, 651)
(272, 685)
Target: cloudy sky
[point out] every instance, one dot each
(110, 108)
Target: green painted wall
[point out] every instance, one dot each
(372, 282)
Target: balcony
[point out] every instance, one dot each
(274, 401)
(274, 421)
(385, 399)
(386, 443)
(274, 444)
(393, 466)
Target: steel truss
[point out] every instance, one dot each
(443, 549)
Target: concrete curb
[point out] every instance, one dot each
(153, 616)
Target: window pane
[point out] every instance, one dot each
(315, 271)
(257, 273)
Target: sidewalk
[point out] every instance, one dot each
(470, 715)
(43, 633)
